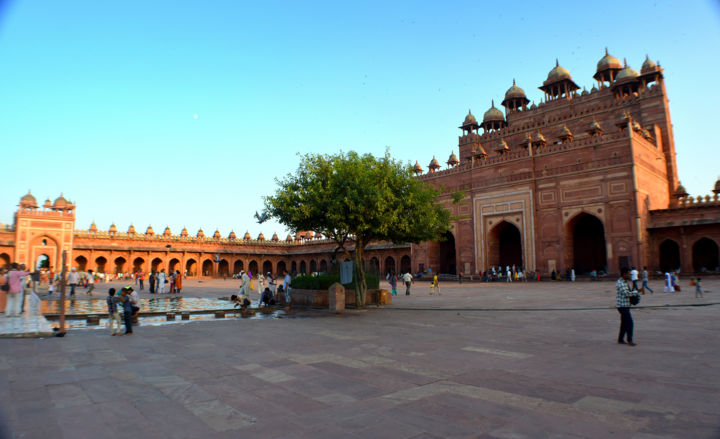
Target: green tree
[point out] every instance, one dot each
(357, 199)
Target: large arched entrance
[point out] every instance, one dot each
(223, 268)
(191, 268)
(390, 265)
(207, 268)
(100, 264)
(120, 264)
(405, 265)
(138, 265)
(81, 263)
(43, 262)
(669, 255)
(505, 246)
(4, 259)
(156, 265)
(705, 255)
(267, 267)
(174, 265)
(585, 244)
(237, 267)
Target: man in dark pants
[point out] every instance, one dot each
(623, 307)
(127, 309)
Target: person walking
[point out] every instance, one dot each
(407, 278)
(73, 279)
(90, 281)
(14, 279)
(668, 283)
(141, 279)
(135, 302)
(113, 312)
(698, 288)
(127, 310)
(151, 282)
(286, 287)
(393, 283)
(435, 286)
(645, 285)
(572, 275)
(634, 278)
(623, 307)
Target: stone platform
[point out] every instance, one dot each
(455, 366)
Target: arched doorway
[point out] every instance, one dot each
(267, 267)
(4, 259)
(281, 268)
(313, 266)
(374, 266)
(138, 265)
(156, 265)
(43, 262)
(253, 267)
(405, 265)
(669, 255)
(705, 255)
(100, 264)
(81, 263)
(207, 268)
(237, 267)
(191, 268)
(505, 246)
(303, 267)
(120, 264)
(323, 266)
(585, 242)
(441, 254)
(174, 265)
(390, 265)
(223, 268)
(293, 267)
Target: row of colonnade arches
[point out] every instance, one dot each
(704, 255)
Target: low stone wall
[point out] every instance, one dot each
(319, 298)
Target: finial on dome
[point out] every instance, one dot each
(556, 62)
(513, 81)
(624, 62)
(606, 52)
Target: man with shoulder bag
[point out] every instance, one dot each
(626, 299)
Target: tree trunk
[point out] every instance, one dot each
(360, 284)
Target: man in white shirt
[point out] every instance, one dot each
(634, 278)
(91, 282)
(407, 278)
(286, 287)
(73, 279)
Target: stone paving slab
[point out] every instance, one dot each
(29, 324)
(424, 368)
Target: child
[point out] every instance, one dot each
(113, 312)
(434, 286)
(698, 288)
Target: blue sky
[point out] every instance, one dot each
(98, 99)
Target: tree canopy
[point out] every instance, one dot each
(353, 198)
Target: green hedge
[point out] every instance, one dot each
(323, 282)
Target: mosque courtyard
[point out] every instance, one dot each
(484, 360)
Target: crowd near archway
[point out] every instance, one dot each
(505, 245)
(156, 264)
(43, 262)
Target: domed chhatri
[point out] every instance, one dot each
(167, 231)
(434, 165)
(131, 230)
(47, 204)
(502, 147)
(261, 237)
(627, 73)
(594, 128)
(28, 201)
(648, 65)
(559, 83)
(493, 119)
(469, 119)
(626, 82)
(217, 234)
(200, 233)
(607, 68)
(275, 237)
(60, 202)
(680, 192)
(184, 232)
(565, 134)
(453, 160)
(417, 169)
(93, 227)
(149, 231)
(232, 235)
(515, 99)
(716, 188)
(247, 236)
(289, 238)
(113, 228)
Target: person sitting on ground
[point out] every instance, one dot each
(240, 301)
(266, 299)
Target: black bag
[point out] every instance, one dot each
(634, 299)
(5, 287)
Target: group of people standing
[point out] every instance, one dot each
(130, 303)
(267, 287)
(157, 282)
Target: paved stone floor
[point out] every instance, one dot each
(468, 364)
